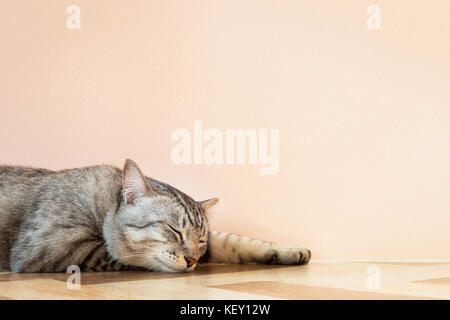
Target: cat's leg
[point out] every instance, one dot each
(231, 248)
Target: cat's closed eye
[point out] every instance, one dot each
(177, 233)
(143, 226)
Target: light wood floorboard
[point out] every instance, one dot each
(318, 280)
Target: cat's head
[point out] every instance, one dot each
(157, 226)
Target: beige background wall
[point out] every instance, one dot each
(364, 115)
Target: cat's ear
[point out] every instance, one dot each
(135, 185)
(206, 204)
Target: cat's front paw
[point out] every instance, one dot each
(292, 255)
(304, 256)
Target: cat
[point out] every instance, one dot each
(102, 218)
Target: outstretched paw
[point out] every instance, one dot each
(287, 256)
(304, 256)
(294, 255)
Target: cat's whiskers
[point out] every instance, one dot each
(127, 256)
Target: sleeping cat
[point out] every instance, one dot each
(102, 218)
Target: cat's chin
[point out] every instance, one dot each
(172, 268)
(190, 269)
(156, 265)
(166, 269)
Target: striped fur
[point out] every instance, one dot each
(231, 248)
(103, 218)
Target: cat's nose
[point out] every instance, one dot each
(190, 261)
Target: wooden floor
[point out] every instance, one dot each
(349, 280)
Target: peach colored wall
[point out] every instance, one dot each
(364, 115)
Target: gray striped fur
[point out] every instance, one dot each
(102, 218)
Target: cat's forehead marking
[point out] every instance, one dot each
(187, 207)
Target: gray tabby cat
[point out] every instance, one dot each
(103, 218)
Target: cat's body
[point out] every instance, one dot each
(104, 218)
